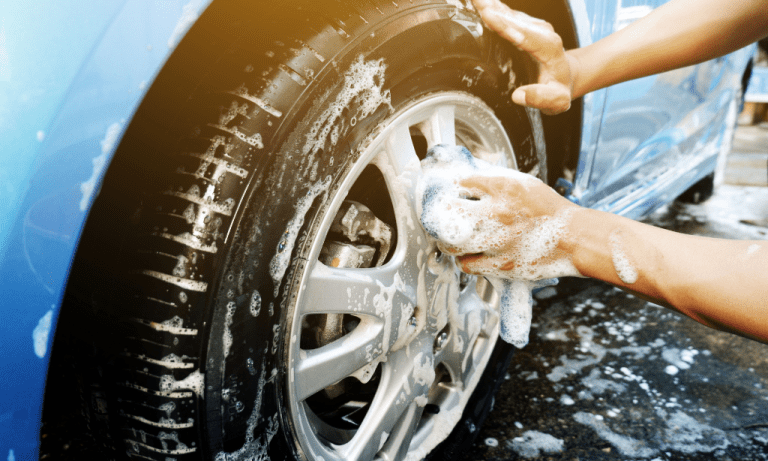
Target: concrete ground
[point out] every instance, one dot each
(608, 376)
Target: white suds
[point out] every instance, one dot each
(628, 446)
(282, 257)
(99, 163)
(41, 332)
(363, 82)
(624, 269)
(194, 382)
(516, 310)
(189, 14)
(532, 443)
(227, 335)
(679, 359)
(671, 370)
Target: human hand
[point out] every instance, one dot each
(496, 221)
(553, 92)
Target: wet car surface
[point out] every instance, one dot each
(609, 376)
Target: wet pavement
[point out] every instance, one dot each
(608, 376)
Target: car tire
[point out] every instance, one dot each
(700, 192)
(248, 318)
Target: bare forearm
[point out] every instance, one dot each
(677, 34)
(720, 283)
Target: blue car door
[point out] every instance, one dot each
(650, 129)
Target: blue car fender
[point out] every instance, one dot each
(71, 76)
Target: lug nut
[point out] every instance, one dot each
(431, 409)
(440, 341)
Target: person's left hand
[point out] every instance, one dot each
(552, 93)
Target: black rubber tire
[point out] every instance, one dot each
(700, 192)
(198, 250)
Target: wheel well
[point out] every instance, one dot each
(562, 132)
(70, 417)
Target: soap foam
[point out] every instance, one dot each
(518, 251)
(516, 310)
(464, 224)
(624, 269)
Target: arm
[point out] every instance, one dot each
(719, 283)
(677, 34)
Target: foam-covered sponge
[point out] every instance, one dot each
(519, 252)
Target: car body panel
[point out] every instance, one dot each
(71, 77)
(757, 91)
(645, 141)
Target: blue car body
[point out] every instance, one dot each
(72, 75)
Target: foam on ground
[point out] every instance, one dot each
(532, 443)
(520, 254)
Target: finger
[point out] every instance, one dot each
(497, 20)
(481, 4)
(481, 264)
(470, 262)
(477, 186)
(551, 99)
(528, 34)
(496, 185)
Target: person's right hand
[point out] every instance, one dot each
(553, 92)
(520, 229)
(498, 222)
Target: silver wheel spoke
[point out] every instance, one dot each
(360, 292)
(401, 154)
(400, 385)
(440, 128)
(399, 440)
(480, 291)
(459, 363)
(400, 166)
(477, 319)
(331, 363)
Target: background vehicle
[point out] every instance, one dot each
(278, 114)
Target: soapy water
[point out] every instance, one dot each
(621, 262)
(519, 255)
(516, 307)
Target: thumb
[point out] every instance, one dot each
(550, 98)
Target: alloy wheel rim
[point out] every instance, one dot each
(422, 332)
